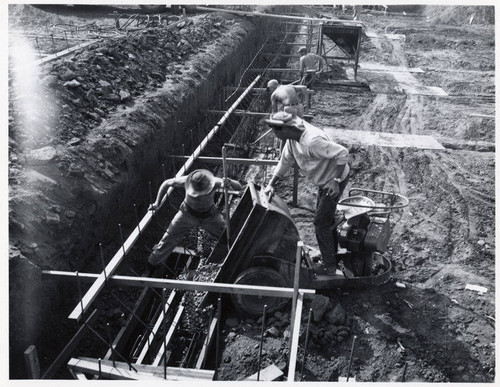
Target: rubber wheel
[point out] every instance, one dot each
(253, 306)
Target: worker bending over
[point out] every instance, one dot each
(310, 65)
(197, 210)
(286, 96)
(324, 162)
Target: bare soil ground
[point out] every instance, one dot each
(433, 329)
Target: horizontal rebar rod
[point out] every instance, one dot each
(271, 15)
(252, 114)
(163, 283)
(231, 160)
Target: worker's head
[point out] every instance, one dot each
(272, 85)
(302, 50)
(285, 126)
(200, 182)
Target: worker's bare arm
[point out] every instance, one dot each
(176, 182)
(230, 183)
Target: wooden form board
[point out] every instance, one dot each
(206, 344)
(373, 66)
(169, 336)
(162, 283)
(121, 371)
(268, 374)
(397, 82)
(295, 339)
(395, 140)
(155, 329)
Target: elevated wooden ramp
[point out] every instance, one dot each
(395, 140)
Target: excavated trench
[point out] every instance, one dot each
(121, 163)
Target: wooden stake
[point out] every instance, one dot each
(32, 362)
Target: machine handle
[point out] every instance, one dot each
(395, 197)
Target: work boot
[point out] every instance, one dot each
(149, 270)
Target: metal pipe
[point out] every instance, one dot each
(137, 219)
(261, 341)
(79, 289)
(305, 344)
(226, 197)
(350, 359)
(102, 262)
(110, 343)
(121, 240)
(165, 336)
(298, 257)
(217, 343)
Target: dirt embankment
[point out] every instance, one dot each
(78, 162)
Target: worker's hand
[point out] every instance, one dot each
(153, 207)
(269, 191)
(333, 189)
(226, 182)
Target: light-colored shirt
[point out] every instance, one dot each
(316, 155)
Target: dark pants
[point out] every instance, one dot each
(324, 218)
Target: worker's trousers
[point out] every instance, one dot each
(324, 219)
(213, 222)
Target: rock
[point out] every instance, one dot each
(227, 359)
(94, 116)
(272, 332)
(157, 76)
(336, 316)
(112, 97)
(68, 75)
(319, 305)
(286, 334)
(42, 156)
(73, 83)
(102, 113)
(481, 242)
(104, 83)
(50, 80)
(34, 176)
(74, 141)
(124, 95)
(74, 170)
(232, 322)
(231, 336)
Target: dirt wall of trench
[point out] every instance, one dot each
(70, 194)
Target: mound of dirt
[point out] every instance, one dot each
(460, 15)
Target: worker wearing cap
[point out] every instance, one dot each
(286, 96)
(324, 162)
(310, 65)
(197, 210)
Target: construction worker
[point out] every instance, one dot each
(197, 210)
(324, 162)
(310, 65)
(286, 96)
